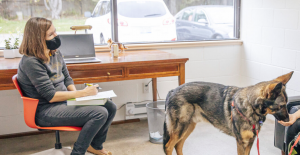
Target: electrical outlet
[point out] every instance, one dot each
(145, 88)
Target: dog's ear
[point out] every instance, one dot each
(272, 90)
(284, 78)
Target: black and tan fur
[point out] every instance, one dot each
(193, 102)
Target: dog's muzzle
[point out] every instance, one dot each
(282, 117)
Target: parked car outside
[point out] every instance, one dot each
(138, 21)
(205, 22)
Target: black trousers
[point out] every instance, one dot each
(94, 120)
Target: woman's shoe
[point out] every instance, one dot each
(97, 152)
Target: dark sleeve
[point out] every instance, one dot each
(37, 74)
(68, 80)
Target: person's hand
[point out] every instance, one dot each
(293, 118)
(91, 90)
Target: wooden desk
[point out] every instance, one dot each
(130, 65)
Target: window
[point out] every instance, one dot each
(108, 8)
(101, 9)
(188, 15)
(104, 9)
(139, 21)
(200, 16)
(63, 13)
(147, 21)
(178, 16)
(101, 24)
(224, 15)
(206, 22)
(97, 10)
(141, 9)
(144, 21)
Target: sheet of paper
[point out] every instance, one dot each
(100, 95)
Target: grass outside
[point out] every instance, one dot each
(17, 27)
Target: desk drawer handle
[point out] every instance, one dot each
(108, 73)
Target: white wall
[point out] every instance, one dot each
(270, 30)
(214, 64)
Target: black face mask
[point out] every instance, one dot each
(54, 43)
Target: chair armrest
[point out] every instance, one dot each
(294, 109)
(293, 101)
(294, 98)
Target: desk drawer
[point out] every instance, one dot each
(5, 79)
(103, 73)
(153, 69)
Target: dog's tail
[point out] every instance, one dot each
(166, 137)
(166, 133)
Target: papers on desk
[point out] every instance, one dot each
(99, 99)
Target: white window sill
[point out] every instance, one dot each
(169, 45)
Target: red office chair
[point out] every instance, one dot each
(30, 106)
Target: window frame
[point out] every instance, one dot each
(237, 18)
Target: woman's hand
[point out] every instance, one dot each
(65, 95)
(91, 90)
(293, 118)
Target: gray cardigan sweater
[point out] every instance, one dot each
(41, 80)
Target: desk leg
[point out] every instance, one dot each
(154, 90)
(181, 77)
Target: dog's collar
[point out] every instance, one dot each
(233, 106)
(239, 111)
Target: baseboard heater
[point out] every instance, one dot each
(136, 110)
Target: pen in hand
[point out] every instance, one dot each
(90, 90)
(88, 84)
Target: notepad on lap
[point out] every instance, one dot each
(86, 102)
(99, 99)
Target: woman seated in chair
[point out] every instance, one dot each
(43, 75)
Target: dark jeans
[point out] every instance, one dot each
(94, 120)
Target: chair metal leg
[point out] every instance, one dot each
(57, 144)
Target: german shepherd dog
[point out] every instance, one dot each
(238, 112)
